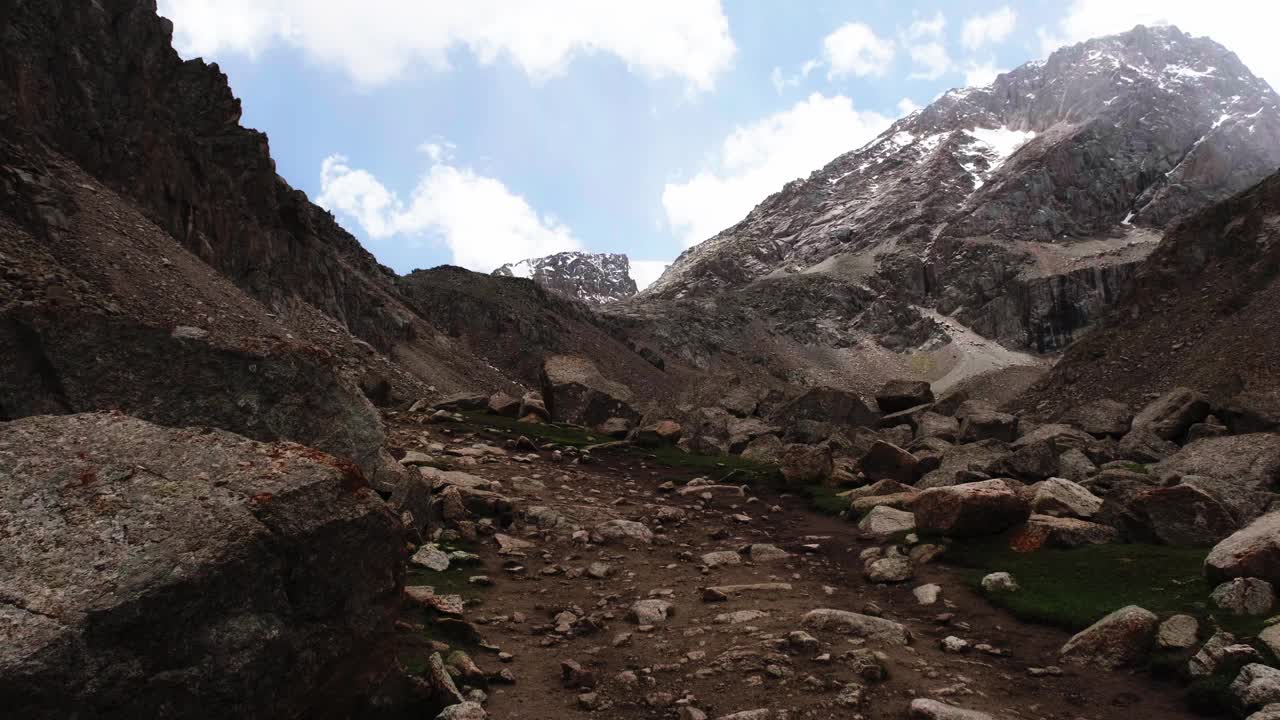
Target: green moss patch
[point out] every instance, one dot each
(826, 499)
(1072, 589)
(541, 433)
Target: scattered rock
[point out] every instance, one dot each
(1060, 532)
(927, 594)
(806, 464)
(1181, 515)
(1122, 638)
(1245, 596)
(886, 461)
(988, 425)
(651, 611)
(884, 522)
(1104, 418)
(925, 709)
(1253, 551)
(858, 625)
(892, 569)
(1179, 632)
(980, 508)
(898, 395)
(576, 392)
(431, 557)
(1170, 416)
(1063, 498)
(622, 531)
(1256, 685)
(999, 582)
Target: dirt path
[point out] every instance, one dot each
(721, 664)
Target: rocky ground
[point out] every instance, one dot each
(601, 599)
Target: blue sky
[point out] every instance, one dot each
(484, 132)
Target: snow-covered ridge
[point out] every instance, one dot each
(595, 278)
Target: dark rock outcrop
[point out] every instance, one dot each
(151, 572)
(576, 392)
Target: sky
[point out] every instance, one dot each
(482, 132)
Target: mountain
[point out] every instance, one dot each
(1019, 209)
(594, 278)
(1200, 313)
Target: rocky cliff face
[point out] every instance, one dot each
(100, 84)
(593, 278)
(1020, 207)
(1200, 312)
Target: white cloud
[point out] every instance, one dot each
(931, 58)
(980, 74)
(855, 49)
(647, 272)
(1246, 27)
(482, 222)
(993, 28)
(375, 41)
(906, 106)
(758, 159)
(782, 82)
(927, 28)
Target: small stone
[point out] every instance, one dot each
(927, 594)
(999, 582)
(431, 557)
(651, 612)
(1178, 632)
(1245, 596)
(573, 675)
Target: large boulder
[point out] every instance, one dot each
(764, 449)
(988, 425)
(987, 507)
(1248, 461)
(1104, 418)
(1253, 410)
(157, 572)
(867, 627)
(886, 461)
(1172, 414)
(933, 425)
(1063, 498)
(1061, 532)
(959, 459)
(576, 392)
(885, 522)
(806, 464)
(1120, 639)
(898, 395)
(1253, 551)
(1060, 438)
(1180, 515)
(1142, 445)
(829, 405)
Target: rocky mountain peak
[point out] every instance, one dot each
(595, 278)
(1077, 161)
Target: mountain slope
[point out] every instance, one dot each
(595, 278)
(1019, 208)
(1201, 313)
(101, 84)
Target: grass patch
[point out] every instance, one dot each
(826, 499)
(542, 433)
(731, 469)
(1072, 589)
